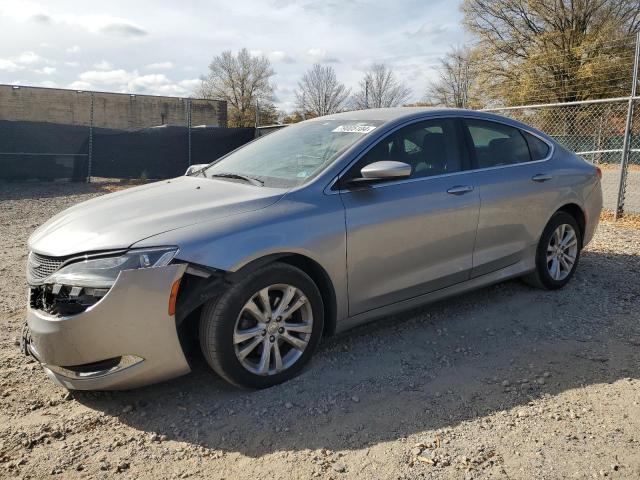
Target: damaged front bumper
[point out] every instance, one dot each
(125, 340)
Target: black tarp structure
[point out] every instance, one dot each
(48, 151)
(45, 151)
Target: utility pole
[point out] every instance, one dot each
(257, 114)
(366, 93)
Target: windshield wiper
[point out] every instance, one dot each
(237, 176)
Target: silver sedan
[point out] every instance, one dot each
(313, 229)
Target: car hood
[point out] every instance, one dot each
(120, 219)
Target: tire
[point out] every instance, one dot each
(228, 318)
(543, 276)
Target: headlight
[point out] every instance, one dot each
(102, 272)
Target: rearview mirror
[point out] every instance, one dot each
(385, 170)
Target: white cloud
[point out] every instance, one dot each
(159, 66)
(19, 62)
(103, 65)
(320, 55)
(49, 84)
(106, 77)
(124, 81)
(278, 56)
(7, 65)
(71, 64)
(42, 15)
(28, 58)
(45, 71)
(73, 49)
(79, 85)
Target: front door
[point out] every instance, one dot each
(412, 236)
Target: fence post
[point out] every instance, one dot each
(626, 146)
(90, 158)
(189, 126)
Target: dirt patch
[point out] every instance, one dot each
(505, 382)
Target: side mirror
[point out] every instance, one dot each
(195, 168)
(385, 170)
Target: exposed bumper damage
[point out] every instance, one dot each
(126, 339)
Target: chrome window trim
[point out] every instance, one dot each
(328, 190)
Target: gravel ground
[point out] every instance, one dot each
(505, 382)
(611, 183)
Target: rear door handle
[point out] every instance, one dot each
(541, 177)
(460, 189)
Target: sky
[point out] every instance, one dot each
(163, 47)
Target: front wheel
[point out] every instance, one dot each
(557, 254)
(265, 328)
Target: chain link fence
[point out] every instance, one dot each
(49, 134)
(595, 130)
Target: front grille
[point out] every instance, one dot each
(40, 267)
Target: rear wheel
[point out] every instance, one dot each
(558, 253)
(265, 328)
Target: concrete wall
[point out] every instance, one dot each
(111, 110)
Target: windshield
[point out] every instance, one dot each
(292, 155)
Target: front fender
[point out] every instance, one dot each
(315, 230)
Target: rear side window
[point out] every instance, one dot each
(496, 144)
(537, 147)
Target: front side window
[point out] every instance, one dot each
(292, 155)
(496, 144)
(430, 148)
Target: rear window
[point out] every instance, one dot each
(538, 148)
(497, 144)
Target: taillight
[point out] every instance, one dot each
(599, 173)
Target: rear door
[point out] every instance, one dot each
(411, 236)
(517, 192)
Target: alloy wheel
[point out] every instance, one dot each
(562, 252)
(273, 329)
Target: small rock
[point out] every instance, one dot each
(288, 405)
(339, 467)
(355, 398)
(416, 451)
(505, 383)
(122, 466)
(127, 409)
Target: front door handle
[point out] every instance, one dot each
(460, 189)
(541, 177)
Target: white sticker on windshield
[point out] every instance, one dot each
(354, 129)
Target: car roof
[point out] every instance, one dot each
(395, 115)
(387, 114)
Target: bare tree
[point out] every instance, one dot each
(242, 80)
(380, 89)
(319, 92)
(452, 88)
